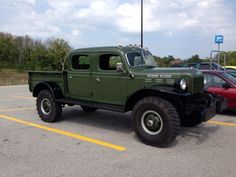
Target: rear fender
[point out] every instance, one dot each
(52, 86)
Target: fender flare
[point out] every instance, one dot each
(152, 91)
(52, 86)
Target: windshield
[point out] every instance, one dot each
(215, 66)
(136, 59)
(229, 77)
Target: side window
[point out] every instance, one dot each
(80, 62)
(192, 65)
(204, 67)
(207, 80)
(213, 81)
(109, 61)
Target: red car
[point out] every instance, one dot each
(223, 84)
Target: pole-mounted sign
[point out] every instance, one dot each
(219, 39)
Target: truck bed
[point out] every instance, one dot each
(46, 76)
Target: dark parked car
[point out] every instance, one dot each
(223, 84)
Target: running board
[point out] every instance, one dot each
(110, 107)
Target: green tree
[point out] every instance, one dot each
(58, 49)
(195, 58)
(40, 59)
(165, 61)
(231, 58)
(25, 52)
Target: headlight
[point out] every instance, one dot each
(205, 81)
(183, 84)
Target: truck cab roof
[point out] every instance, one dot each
(123, 49)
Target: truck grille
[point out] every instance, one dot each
(198, 84)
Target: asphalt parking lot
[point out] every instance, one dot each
(103, 144)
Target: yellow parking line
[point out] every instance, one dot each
(16, 109)
(12, 86)
(222, 123)
(24, 97)
(77, 136)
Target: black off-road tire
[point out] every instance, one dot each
(52, 111)
(88, 109)
(164, 113)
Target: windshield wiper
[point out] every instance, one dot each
(149, 66)
(145, 65)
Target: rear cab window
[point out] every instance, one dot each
(80, 62)
(204, 67)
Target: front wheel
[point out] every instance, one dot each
(156, 121)
(48, 109)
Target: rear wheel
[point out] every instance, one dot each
(48, 109)
(156, 121)
(88, 109)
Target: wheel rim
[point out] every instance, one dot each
(46, 106)
(152, 122)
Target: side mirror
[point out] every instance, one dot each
(226, 85)
(119, 67)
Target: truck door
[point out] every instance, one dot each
(110, 86)
(79, 77)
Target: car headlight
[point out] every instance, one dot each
(183, 84)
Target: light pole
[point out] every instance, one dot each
(211, 57)
(142, 23)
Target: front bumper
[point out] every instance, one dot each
(204, 106)
(208, 113)
(221, 104)
(201, 113)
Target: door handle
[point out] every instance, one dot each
(70, 77)
(98, 79)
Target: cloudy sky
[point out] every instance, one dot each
(171, 27)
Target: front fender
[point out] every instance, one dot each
(159, 91)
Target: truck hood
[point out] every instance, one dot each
(169, 76)
(167, 71)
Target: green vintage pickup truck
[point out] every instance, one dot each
(126, 79)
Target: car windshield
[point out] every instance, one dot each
(229, 77)
(137, 59)
(215, 66)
